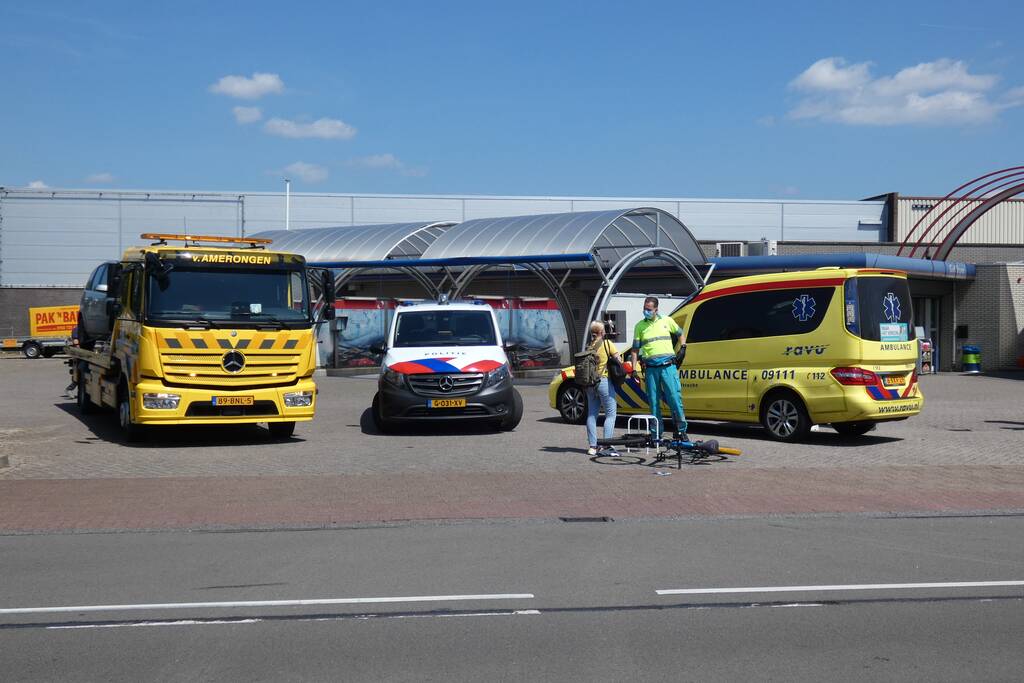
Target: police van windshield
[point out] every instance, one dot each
(238, 297)
(445, 328)
(879, 309)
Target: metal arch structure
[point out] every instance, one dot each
(997, 187)
(614, 240)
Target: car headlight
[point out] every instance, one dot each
(498, 376)
(160, 401)
(392, 377)
(298, 399)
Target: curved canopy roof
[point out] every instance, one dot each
(358, 242)
(611, 235)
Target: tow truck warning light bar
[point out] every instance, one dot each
(162, 238)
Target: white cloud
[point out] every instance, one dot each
(326, 129)
(37, 185)
(309, 173)
(247, 114)
(386, 161)
(248, 88)
(943, 92)
(99, 178)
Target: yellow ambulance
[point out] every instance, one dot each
(789, 350)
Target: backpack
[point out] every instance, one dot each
(586, 369)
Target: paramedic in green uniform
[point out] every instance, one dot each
(652, 338)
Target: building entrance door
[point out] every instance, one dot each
(926, 318)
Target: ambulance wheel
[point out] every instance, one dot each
(784, 416)
(32, 349)
(85, 404)
(853, 428)
(515, 415)
(572, 403)
(132, 431)
(382, 424)
(281, 430)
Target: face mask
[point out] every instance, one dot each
(648, 315)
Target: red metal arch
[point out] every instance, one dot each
(1005, 183)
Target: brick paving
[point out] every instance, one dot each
(68, 472)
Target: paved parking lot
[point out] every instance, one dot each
(963, 452)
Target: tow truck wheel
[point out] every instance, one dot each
(515, 415)
(382, 424)
(132, 431)
(82, 398)
(572, 403)
(281, 430)
(32, 349)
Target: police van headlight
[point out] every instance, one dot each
(160, 401)
(298, 399)
(392, 377)
(498, 376)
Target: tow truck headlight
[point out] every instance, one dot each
(498, 376)
(160, 401)
(298, 399)
(391, 377)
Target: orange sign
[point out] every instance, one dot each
(52, 321)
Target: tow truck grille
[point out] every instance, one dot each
(206, 368)
(462, 384)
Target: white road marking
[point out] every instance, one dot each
(262, 603)
(839, 587)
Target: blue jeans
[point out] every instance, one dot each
(600, 396)
(664, 380)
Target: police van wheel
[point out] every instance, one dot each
(572, 403)
(132, 432)
(853, 428)
(784, 416)
(281, 430)
(382, 424)
(515, 415)
(32, 350)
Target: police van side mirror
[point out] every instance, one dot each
(377, 348)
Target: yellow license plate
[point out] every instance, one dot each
(446, 403)
(10, 343)
(232, 400)
(894, 380)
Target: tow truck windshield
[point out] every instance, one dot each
(236, 297)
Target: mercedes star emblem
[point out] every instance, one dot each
(233, 362)
(446, 383)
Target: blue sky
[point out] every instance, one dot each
(782, 99)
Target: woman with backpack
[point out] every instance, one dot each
(601, 394)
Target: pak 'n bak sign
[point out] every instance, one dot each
(52, 321)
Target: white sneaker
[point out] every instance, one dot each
(591, 451)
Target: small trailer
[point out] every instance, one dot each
(50, 328)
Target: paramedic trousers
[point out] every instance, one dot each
(663, 385)
(600, 396)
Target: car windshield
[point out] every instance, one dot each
(445, 328)
(236, 296)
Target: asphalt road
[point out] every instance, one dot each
(594, 614)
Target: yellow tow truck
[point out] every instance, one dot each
(205, 330)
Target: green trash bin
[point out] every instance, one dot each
(970, 361)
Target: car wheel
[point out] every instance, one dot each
(32, 350)
(382, 424)
(572, 403)
(132, 431)
(853, 428)
(281, 430)
(85, 404)
(784, 416)
(515, 415)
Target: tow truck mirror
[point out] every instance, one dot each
(113, 280)
(327, 287)
(328, 312)
(158, 267)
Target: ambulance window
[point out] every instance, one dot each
(760, 314)
(879, 309)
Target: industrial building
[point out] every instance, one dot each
(51, 239)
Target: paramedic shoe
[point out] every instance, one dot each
(680, 436)
(591, 451)
(610, 452)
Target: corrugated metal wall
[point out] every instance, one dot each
(52, 238)
(1003, 224)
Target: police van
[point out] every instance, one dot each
(789, 350)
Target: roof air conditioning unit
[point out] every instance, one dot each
(730, 248)
(763, 248)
